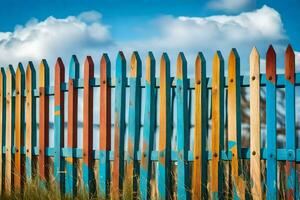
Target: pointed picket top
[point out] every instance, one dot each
(254, 53)
(20, 74)
(200, 63)
(164, 61)
(30, 74)
(20, 70)
(105, 61)
(89, 65)
(289, 61)
(74, 68)
(135, 65)
(10, 71)
(234, 58)
(218, 58)
(150, 67)
(254, 62)
(121, 65)
(181, 66)
(59, 66)
(271, 64)
(44, 74)
(104, 67)
(2, 72)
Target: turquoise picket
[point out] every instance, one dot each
(71, 171)
(120, 97)
(290, 123)
(182, 127)
(149, 127)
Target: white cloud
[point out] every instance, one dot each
(191, 34)
(229, 5)
(54, 37)
(86, 34)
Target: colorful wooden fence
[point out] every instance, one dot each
(145, 165)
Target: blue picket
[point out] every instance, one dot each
(149, 127)
(182, 127)
(119, 123)
(71, 172)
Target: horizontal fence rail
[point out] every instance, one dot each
(136, 155)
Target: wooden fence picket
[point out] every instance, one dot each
(2, 123)
(182, 127)
(255, 170)
(217, 126)
(164, 146)
(87, 166)
(19, 128)
(234, 124)
(290, 123)
(105, 126)
(134, 122)
(44, 122)
(271, 124)
(59, 123)
(149, 127)
(199, 178)
(118, 165)
(9, 136)
(71, 167)
(30, 140)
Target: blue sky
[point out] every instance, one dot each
(91, 27)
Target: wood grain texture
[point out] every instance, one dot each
(290, 122)
(271, 124)
(217, 126)
(182, 128)
(44, 122)
(71, 168)
(119, 127)
(87, 166)
(19, 128)
(105, 126)
(59, 123)
(255, 169)
(30, 141)
(2, 123)
(149, 128)
(9, 136)
(234, 124)
(164, 146)
(134, 123)
(199, 176)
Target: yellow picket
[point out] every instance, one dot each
(255, 171)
